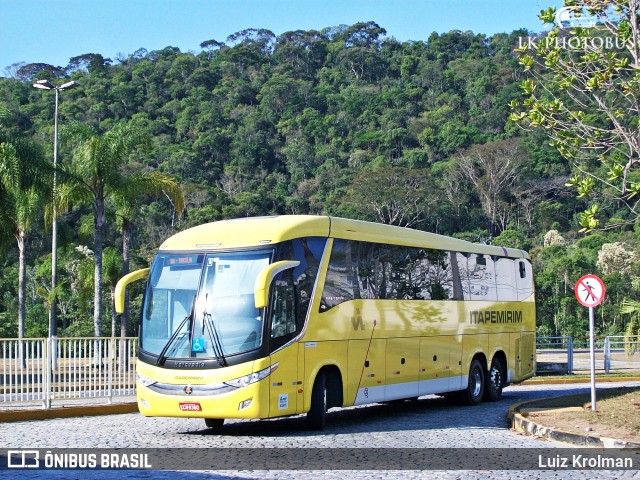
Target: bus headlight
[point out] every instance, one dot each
(144, 381)
(252, 377)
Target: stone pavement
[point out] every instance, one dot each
(427, 423)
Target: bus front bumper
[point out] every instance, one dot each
(251, 401)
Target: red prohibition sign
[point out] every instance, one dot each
(590, 290)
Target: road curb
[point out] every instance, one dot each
(67, 412)
(521, 423)
(568, 381)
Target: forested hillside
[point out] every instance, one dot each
(345, 121)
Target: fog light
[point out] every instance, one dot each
(144, 403)
(245, 404)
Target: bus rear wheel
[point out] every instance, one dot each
(316, 417)
(472, 395)
(494, 381)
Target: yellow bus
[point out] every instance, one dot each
(273, 316)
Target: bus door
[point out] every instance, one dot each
(284, 381)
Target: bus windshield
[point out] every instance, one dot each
(202, 305)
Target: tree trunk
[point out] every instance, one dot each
(126, 243)
(97, 274)
(22, 284)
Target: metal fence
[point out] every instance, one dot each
(47, 369)
(614, 354)
(50, 369)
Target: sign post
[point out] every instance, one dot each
(590, 291)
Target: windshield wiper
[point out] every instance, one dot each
(163, 354)
(207, 320)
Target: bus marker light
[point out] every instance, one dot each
(245, 404)
(144, 403)
(190, 407)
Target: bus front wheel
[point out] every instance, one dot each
(316, 417)
(475, 387)
(214, 424)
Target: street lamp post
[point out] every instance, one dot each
(53, 314)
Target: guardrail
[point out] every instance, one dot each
(49, 369)
(568, 355)
(44, 369)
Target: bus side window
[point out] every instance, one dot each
(482, 278)
(463, 270)
(308, 251)
(338, 285)
(524, 280)
(506, 279)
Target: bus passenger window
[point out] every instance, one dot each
(308, 251)
(506, 279)
(338, 286)
(482, 280)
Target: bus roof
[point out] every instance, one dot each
(261, 231)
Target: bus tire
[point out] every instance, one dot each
(474, 392)
(316, 417)
(214, 423)
(494, 381)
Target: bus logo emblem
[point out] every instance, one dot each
(188, 389)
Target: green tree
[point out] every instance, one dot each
(395, 196)
(128, 196)
(493, 169)
(21, 166)
(584, 92)
(93, 176)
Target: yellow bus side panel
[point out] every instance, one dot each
(439, 364)
(367, 371)
(402, 365)
(317, 355)
(437, 341)
(285, 382)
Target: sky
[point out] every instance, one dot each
(53, 31)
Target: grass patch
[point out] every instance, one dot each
(617, 415)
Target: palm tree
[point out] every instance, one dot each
(94, 174)
(127, 199)
(112, 272)
(21, 194)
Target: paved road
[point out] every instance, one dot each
(426, 423)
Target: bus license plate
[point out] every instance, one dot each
(190, 407)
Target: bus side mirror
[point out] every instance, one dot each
(123, 283)
(266, 276)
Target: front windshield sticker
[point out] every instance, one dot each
(197, 345)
